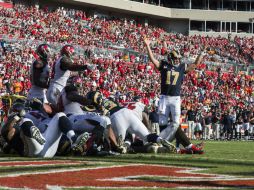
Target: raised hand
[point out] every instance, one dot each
(146, 41)
(91, 67)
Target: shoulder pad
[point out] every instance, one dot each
(38, 64)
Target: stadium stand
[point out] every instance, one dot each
(224, 80)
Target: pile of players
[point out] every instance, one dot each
(56, 120)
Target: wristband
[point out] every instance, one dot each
(17, 118)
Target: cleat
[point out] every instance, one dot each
(113, 153)
(163, 149)
(152, 148)
(171, 147)
(122, 149)
(36, 134)
(122, 146)
(200, 145)
(78, 145)
(196, 150)
(193, 150)
(185, 151)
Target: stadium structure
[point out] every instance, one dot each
(190, 17)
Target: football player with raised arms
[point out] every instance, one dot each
(39, 74)
(172, 74)
(61, 72)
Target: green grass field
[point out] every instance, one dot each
(221, 157)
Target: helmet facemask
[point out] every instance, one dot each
(174, 58)
(68, 50)
(43, 51)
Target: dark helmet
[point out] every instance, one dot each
(74, 81)
(68, 50)
(43, 51)
(19, 108)
(95, 97)
(36, 104)
(172, 56)
(136, 98)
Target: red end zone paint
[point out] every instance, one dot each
(121, 177)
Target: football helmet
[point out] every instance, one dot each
(68, 50)
(43, 51)
(173, 56)
(36, 104)
(18, 108)
(95, 97)
(74, 81)
(136, 98)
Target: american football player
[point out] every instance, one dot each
(125, 121)
(140, 110)
(39, 74)
(86, 121)
(172, 75)
(37, 133)
(61, 72)
(11, 131)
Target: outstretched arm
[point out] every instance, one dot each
(198, 60)
(150, 53)
(66, 64)
(75, 97)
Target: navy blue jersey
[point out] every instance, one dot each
(171, 78)
(154, 117)
(191, 115)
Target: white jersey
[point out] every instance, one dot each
(137, 108)
(68, 106)
(36, 91)
(60, 76)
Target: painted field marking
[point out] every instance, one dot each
(127, 176)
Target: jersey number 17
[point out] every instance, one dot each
(175, 77)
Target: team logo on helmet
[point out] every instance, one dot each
(68, 50)
(95, 97)
(43, 51)
(173, 56)
(74, 81)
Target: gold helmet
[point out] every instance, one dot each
(173, 56)
(95, 97)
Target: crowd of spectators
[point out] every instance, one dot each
(123, 69)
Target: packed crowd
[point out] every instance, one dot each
(120, 73)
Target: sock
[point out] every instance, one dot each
(25, 127)
(65, 124)
(152, 138)
(71, 135)
(127, 143)
(158, 140)
(163, 127)
(182, 138)
(177, 144)
(189, 146)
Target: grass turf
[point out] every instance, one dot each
(221, 157)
